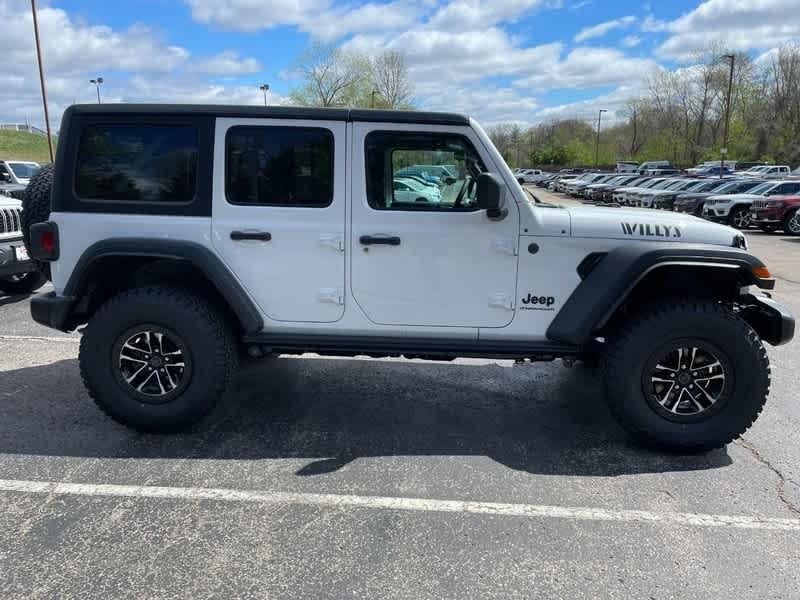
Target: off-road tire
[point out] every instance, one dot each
(740, 217)
(791, 223)
(211, 353)
(632, 347)
(36, 208)
(25, 283)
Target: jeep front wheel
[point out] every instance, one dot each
(740, 217)
(157, 359)
(686, 376)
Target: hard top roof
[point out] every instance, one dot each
(274, 112)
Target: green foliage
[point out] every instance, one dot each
(21, 145)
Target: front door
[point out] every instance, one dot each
(278, 214)
(430, 258)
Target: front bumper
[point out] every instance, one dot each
(773, 322)
(53, 311)
(716, 213)
(9, 263)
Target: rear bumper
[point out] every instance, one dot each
(772, 321)
(53, 311)
(9, 265)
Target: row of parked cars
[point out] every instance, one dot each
(743, 200)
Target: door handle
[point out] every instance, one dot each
(387, 240)
(261, 236)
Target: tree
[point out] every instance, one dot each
(331, 77)
(391, 81)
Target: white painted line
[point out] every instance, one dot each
(40, 338)
(534, 511)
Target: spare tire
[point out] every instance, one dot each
(36, 207)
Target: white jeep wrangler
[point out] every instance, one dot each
(180, 236)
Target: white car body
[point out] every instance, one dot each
(410, 190)
(768, 172)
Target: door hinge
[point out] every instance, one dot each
(505, 246)
(332, 240)
(501, 300)
(331, 295)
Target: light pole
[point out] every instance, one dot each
(41, 78)
(96, 83)
(264, 88)
(724, 149)
(597, 143)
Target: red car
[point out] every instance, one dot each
(777, 212)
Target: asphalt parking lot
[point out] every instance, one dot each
(348, 478)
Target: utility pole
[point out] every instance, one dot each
(724, 149)
(597, 143)
(264, 88)
(96, 83)
(41, 78)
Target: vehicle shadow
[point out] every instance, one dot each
(541, 419)
(12, 299)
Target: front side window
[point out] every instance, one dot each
(137, 163)
(421, 171)
(279, 166)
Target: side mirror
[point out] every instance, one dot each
(5, 177)
(490, 196)
(450, 180)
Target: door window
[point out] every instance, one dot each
(421, 171)
(279, 166)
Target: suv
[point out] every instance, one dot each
(18, 273)
(18, 172)
(777, 212)
(180, 237)
(734, 209)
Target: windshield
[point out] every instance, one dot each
(762, 188)
(697, 186)
(24, 170)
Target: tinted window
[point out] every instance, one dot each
(279, 166)
(435, 171)
(137, 163)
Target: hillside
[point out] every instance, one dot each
(21, 145)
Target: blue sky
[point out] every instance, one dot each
(516, 60)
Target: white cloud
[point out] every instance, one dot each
(469, 15)
(589, 67)
(631, 41)
(614, 102)
(602, 29)
(320, 18)
(490, 106)
(226, 64)
(736, 24)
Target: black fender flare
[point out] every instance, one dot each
(608, 280)
(197, 255)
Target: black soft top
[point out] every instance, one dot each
(273, 112)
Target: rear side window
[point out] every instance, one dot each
(279, 166)
(137, 163)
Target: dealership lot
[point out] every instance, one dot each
(355, 478)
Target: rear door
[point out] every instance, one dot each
(278, 213)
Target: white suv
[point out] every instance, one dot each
(734, 209)
(180, 236)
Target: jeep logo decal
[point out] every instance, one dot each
(538, 302)
(651, 230)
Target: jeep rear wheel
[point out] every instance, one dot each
(791, 224)
(157, 359)
(686, 376)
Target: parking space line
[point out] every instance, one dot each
(40, 338)
(534, 511)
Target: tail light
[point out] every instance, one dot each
(44, 244)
